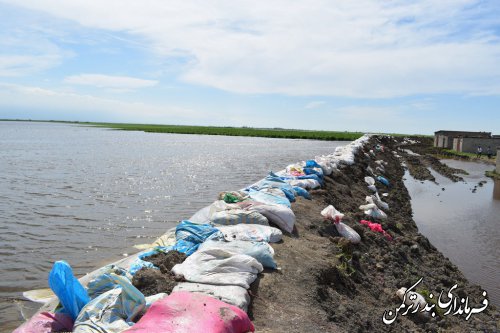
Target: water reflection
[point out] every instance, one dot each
(462, 222)
(496, 190)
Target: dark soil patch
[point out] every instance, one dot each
(327, 284)
(153, 281)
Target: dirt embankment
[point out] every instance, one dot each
(327, 284)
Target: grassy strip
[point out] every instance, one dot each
(233, 131)
(492, 174)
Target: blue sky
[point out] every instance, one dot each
(388, 66)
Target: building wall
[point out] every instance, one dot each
(498, 159)
(457, 144)
(444, 141)
(469, 145)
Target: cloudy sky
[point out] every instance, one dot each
(391, 66)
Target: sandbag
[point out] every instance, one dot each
(185, 312)
(261, 251)
(371, 184)
(372, 210)
(68, 289)
(251, 232)
(332, 214)
(269, 198)
(232, 196)
(113, 311)
(233, 295)
(299, 191)
(190, 235)
(308, 184)
(46, 322)
(238, 216)
(283, 217)
(219, 267)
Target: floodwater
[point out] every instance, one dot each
(87, 195)
(462, 221)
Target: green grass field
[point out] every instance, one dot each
(232, 131)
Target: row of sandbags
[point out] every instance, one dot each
(227, 244)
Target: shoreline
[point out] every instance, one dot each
(275, 133)
(328, 284)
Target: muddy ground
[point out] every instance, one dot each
(327, 284)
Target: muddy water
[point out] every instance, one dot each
(87, 195)
(462, 220)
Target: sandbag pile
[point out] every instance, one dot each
(227, 245)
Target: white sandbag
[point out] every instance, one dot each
(348, 232)
(261, 251)
(372, 210)
(380, 204)
(308, 184)
(371, 183)
(238, 216)
(282, 216)
(332, 214)
(202, 216)
(251, 232)
(233, 295)
(219, 267)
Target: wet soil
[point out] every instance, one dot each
(327, 284)
(153, 281)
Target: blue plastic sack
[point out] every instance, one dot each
(313, 171)
(383, 180)
(302, 192)
(289, 194)
(140, 263)
(71, 293)
(312, 164)
(190, 235)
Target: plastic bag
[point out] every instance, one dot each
(380, 204)
(185, 312)
(330, 213)
(113, 311)
(348, 232)
(281, 216)
(261, 251)
(219, 267)
(46, 322)
(238, 216)
(251, 232)
(383, 181)
(377, 227)
(190, 235)
(372, 210)
(371, 184)
(68, 289)
(233, 295)
(268, 198)
(299, 191)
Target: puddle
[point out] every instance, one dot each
(462, 221)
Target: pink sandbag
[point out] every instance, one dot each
(46, 322)
(185, 312)
(377, 227)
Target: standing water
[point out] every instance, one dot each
(462, 221)
(87, 195)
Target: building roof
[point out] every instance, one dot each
(464, 133)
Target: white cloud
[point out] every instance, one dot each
(115, 83)
(20, 96)
(314, 104)
(359, 48)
